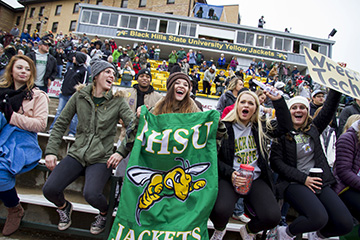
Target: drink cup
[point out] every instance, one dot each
(316, 172)
(247, 172)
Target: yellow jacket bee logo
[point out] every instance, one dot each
(178, 181)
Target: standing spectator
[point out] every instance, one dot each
(15, 31)
(2, 37)
(261, 22)
(209, 77)
(252, 85)
(199, 58)
(127, 74)
(96, 52)
(181, 54)
(194, 80)
(354, 108)
(240, 74)
(220, 83)
(172, 59)
(85, 38)
(136, 66)
(25, 35)
(74, 75)
(185, 66)
(203, 66)
(294, 72)
(46, 66)
(69, 57)
(157, 53)
(117, 53)
(123, 59)
(97, 108)
(152, 52)
(253, 64)
(234, 63)
(106, 51)
(318, 99)
(112, 45)
(222, 61)
(290, 88)
(130, 52)
(24, 112)
(263, 74)
(5, 57)
(282, 71)
(143, 57)
(191, 58)
(261, 64)
(60, 56)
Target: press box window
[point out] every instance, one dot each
(128, 22)
(249, 39)
(187, 29)
(148, 24)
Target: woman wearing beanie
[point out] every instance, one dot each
(23, 113)
(98, 111)
(248, 138)
(346, 169)
(322, 214)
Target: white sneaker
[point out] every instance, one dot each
(218, 235)
(245, 235)
(242, 218)
(282, 235)
(313, 236)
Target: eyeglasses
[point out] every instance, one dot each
(319, 96)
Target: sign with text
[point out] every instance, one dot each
(55, 88)
(195, 42)
(326, 72)
(171, 179)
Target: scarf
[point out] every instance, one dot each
(15, 97)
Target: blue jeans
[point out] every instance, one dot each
(59, 69)
(125, 83)
(62, 102)
(239, 207)
(156, 57)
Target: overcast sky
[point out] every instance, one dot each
(315, 18)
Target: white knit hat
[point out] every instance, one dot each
(298, 99)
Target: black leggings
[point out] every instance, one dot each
(9, 198)
(67, 171)
(351, 198)
(325, 211)
(206, 87)
(260, 199)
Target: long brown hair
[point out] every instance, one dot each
(8, 80)
(169, 104)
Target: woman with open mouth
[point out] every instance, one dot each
(248, 138)
(322, 214)
(99, 111)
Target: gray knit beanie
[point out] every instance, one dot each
(97, 66)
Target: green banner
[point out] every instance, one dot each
(171, 180)
(195, 42)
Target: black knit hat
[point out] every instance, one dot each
(80, 58)
(177, 75)
(145, 71)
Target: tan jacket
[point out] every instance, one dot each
(149, 99)
(33, 114)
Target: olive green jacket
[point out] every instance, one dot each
(97, 125)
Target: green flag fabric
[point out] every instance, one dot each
(171, 180)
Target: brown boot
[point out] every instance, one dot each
(13, 220)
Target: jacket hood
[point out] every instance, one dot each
(88, 89)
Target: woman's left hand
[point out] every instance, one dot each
(114, 160)
(272, 97)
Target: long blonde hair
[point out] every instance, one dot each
(8, 80)
(353, 118)
(234, 117)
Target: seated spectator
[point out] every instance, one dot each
(262, 73)
(250, 71)
(162, 67)
(220, 83)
